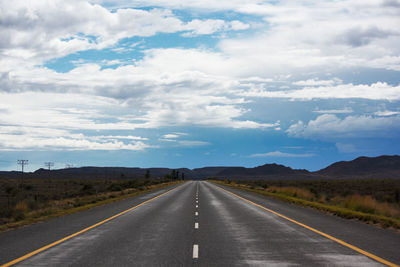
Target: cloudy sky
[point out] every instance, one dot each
(184, 83)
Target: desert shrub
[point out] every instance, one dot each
(18, 215)
(33, 198)
(371, 196)
(383, 190)
(22, 206)
(32, 204)
(369, 204)
(293, 192)
(20, 211)
(6, 213)
(360, 203)
(115, 187)
(87, 188)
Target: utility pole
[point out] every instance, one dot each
(22, 162)
(49, 164)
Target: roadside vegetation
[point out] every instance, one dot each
(31, 200)
(369, 200)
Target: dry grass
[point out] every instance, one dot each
(292, 191)
(370, 205)
(22, 206)
(366, 204)
(23, 215)
(323, 199)
(20, 199)
(362, 207)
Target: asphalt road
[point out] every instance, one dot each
(200, 224)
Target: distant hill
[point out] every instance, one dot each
(267, 171)
(209, 171)
(108, 172)
(377, 167)
(362, 167)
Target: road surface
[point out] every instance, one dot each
(200, 224)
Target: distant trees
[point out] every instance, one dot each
(147, 175)
(174, 175)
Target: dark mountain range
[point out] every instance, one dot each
(362, 167)
(267, 171)
(383, 166)
(209, 171)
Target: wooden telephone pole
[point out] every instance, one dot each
(22, 162)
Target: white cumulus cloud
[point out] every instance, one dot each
(329, 126)
(41, 30)
(375, 91)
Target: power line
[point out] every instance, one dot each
(22, 162)
(49, 164)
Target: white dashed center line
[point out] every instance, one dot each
(196, 225)
(195, 251)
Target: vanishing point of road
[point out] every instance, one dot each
(198, 223)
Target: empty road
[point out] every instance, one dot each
(200, 224)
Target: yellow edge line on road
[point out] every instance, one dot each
(372, 256)
(80, 232)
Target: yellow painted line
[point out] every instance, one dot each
(372, 256)
(80, 232)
